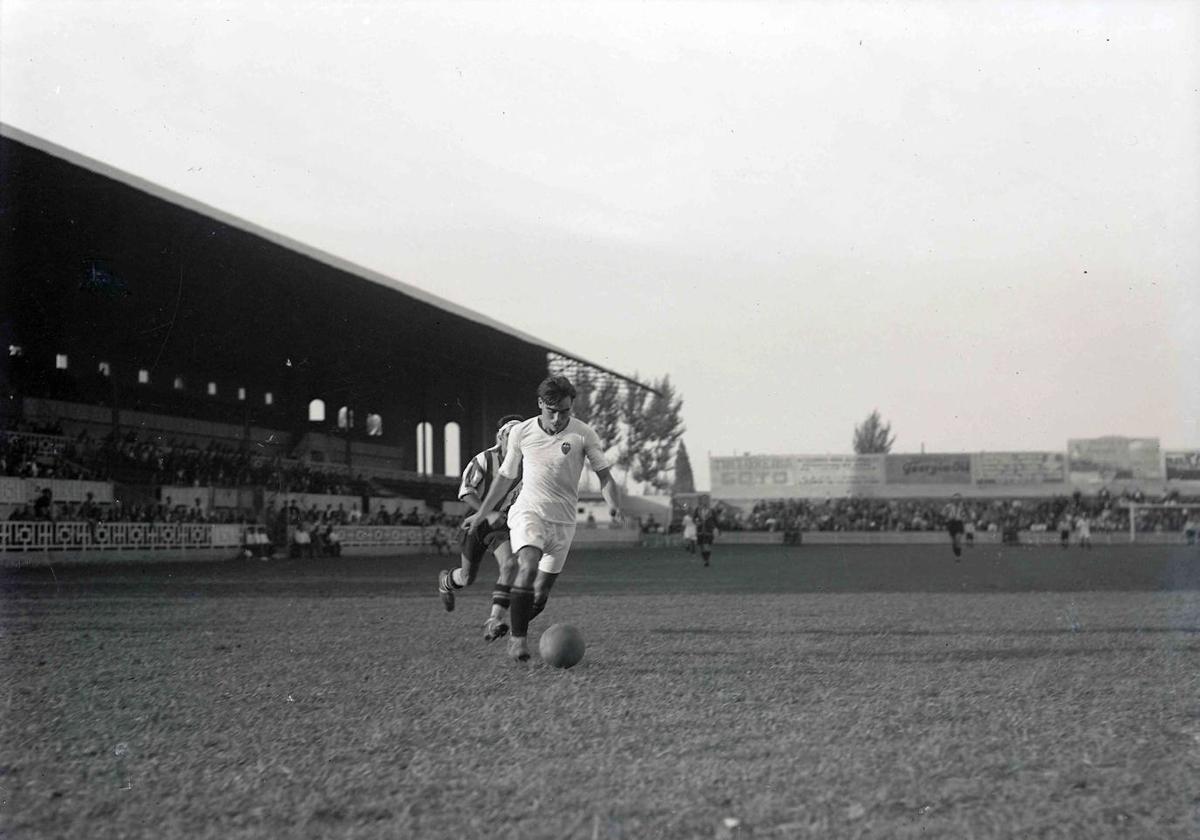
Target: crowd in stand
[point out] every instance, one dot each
(46, 509)
(175, 462)
(51, 428)
(222, 465)
(294, 513)
(1104, 512)
(39, 451)
(314, 532)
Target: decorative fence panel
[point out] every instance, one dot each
(388, 535)
(82, 536)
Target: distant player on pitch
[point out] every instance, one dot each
(548, 451)
(706, 531)
(955, 513)
(1084, 526)
(689, 532)
(492, 535)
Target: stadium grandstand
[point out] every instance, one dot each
(165, 362)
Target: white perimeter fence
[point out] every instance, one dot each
(112, 537)
(137, 536)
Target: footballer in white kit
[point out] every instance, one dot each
(1084, 526)
(544, 513)
(548, 453)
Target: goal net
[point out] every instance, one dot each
(1160, 522)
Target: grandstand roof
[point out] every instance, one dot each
(158, 191)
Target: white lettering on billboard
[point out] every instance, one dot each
(1020, 468)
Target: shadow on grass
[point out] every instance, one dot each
(1001, 655)
(880, 633)
(832, 659)
(741, 571)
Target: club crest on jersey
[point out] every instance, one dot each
(566, 447)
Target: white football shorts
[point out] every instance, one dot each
(553, 538)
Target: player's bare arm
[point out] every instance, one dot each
(611, 493)
(495, 493)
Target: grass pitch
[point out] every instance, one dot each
(803, 692)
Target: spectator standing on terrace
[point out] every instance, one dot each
(89, 512)
(301, 541)
(43, 507)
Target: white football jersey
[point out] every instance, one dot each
(550, 466)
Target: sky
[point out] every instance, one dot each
(978, 218)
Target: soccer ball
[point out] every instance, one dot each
(561, 646)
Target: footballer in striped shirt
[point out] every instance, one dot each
(493, 535)
(954, 514)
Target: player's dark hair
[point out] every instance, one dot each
(555, 389)
(508, 418)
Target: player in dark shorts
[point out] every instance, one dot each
(706, 531)
(1064, 531)
(954, 514)
(491, 536)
